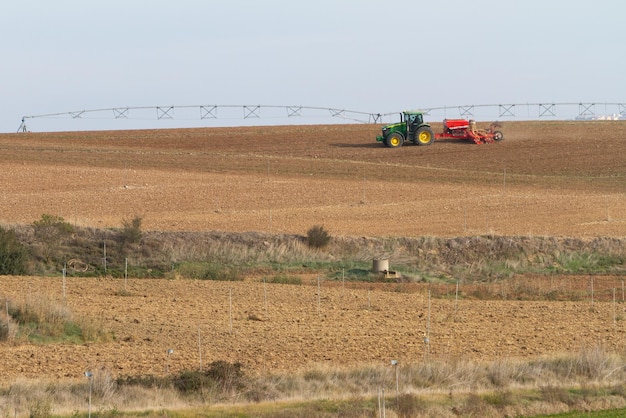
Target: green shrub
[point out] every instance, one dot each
(318, 237)
(131, 230)
(13, 255)
(52, 231)
(43, 320)
(52, 227)
(209, 271)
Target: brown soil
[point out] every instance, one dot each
(550, 178)
(288, 327)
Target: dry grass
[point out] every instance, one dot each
(438, 388)
(38, 318)
(183, 254)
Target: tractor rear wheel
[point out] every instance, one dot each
(424, 136)
(394, 140)
(497, 136)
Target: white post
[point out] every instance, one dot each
(89, 377)
(363, 200)
(384, 407)
(464, 218)
(319, 297)
(427, 337)
(200, 348)
(230, 309)
(90, 385)
(394, 363)
(167, 359)
(614, 310)
(64, 270)
(265, 298)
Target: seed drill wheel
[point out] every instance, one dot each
(497, 136)
(424, 136)
(394, 140)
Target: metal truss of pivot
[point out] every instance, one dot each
(22, 127)
(336, 113)
(547, 109)
(165, 112)
(120, 113)
(467, 111)
(586, 110)
(375, 118)
(506, 110)
(208, 112)
(294, 111)
(251, 112)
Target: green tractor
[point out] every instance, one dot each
(410, 128)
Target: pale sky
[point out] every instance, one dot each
(371, 56)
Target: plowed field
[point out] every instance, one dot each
(549, 178)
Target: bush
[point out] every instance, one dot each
(317, 237)
(13, 255)
(220, 375)
(52, 231)
(209, 271)
(42, 320)
(51, 228)
(131, 230)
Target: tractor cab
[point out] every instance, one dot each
(413, 119)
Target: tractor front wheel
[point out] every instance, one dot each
(424, 136)
(497, 136)
(394, 140)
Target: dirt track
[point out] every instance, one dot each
(558, 178)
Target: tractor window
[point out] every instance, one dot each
(415, 119)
